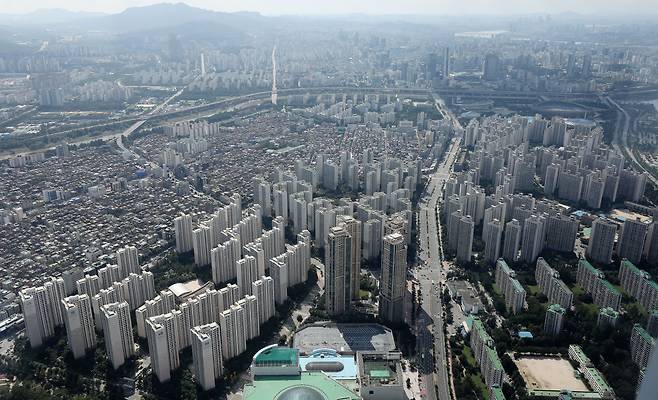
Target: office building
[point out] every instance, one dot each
(79, 322)
(117, 332)
(392, 285)
(338, 257)
(207, 354)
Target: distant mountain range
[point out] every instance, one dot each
(153, 17)
(46, 16)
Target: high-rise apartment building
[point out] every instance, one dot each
(183, 229)
(202, 245)
(263, 290)
(338, 257)
(207, 354)
(247, 272)
(642, 344)
(554, 319)
(117, 332)
(513, 233)
(601, 241)
(631, 240)
(128, 261)
(353, 227)
(42, 310)
(392, 284)
(163, 333)
(79, 322)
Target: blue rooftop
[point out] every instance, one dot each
(525, 335)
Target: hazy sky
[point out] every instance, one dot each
(359, 6)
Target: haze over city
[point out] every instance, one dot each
(293, 200)
(374, 7)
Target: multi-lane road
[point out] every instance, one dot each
(431, 343)
(621, 138)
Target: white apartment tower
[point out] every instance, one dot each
(183, 229)
(79, 322)
(338, 256)
(128, 261)
(353, 227)
(118, 332)
(207, 354)
(392, 285)
(202, 245)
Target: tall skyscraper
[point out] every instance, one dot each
(601, 241)
(353, 227)
(117, 332)
(183, 229)
(338, 256)
(392, 285)
(207, 354)
(79, 322)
